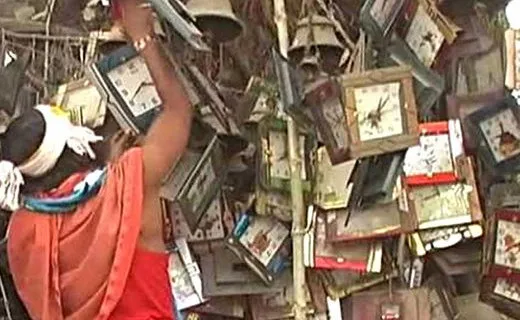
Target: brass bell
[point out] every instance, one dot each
(323, 39)
(216, 17)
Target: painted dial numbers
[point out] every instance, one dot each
(424, 37)
(134, 83)
(378, 109)
(507, 251)
(502, 134)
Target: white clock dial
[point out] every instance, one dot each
(432, 155)
(424, 37)
(502, 134)
(134, 84)
(335, 117)
(263, 238)
(279, 156)
(507, 289)
(442, 202)
(382, 11)
(507, 251)
(203, 182)
(379, 110)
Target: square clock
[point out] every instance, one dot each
(380, 110)
(501, 293)
(497, 131)
(502, 246)
(433, 160)
(123, 78)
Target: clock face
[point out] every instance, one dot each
(263, 237)
(502, 134)
(335, 117)
(382, 12)
(432, 155)
(205, 178)
(424, 37)
(507, 250)
(279, 156)
(507, 289)
(378, 109)
(442, 202)
(134, 84)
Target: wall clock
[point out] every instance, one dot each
(215, 224)
(82, 100)
(380, 110)
(225, 274)
(497, 134)
(192, 184)
(429, 85)
(502, 245)
(263, 243)
(433, 160)
(363, 256)
(184, 274)
(331, 187)
(501, 293)
(426, 29)
(273, 203)
(512, 43)
(324, 100)
(461, 106)
(443, 205)
(377, 17)
(124, 80)
(274, 167)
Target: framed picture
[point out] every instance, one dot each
(380, 110)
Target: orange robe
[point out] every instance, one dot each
(74, 266)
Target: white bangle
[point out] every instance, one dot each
(141, 44)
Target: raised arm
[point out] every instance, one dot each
(167, 138)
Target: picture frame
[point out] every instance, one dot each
(409, 123)
(410, 201)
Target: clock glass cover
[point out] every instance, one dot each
(378, 109)
(502, 134)
(424, 37)
(432, 155)
(134, 84)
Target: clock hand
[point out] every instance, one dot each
(513, 246)
(141, 86)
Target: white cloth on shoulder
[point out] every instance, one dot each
(59, 133)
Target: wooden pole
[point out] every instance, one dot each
(298, 210)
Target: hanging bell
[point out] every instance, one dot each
(216, 17)
(323, 38)
(310, 65)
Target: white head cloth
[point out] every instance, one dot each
(59, 133)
